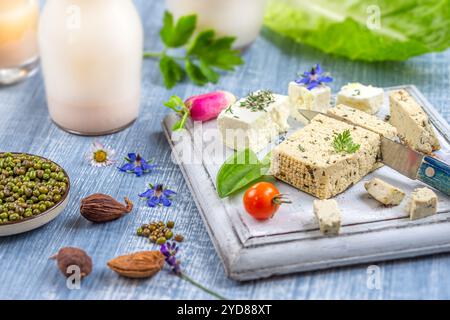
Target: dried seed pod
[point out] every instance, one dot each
(179, 238)
(103, 208)
(142, 264)
(67, 257)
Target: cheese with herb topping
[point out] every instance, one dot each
(423, 203)
(365, 98)
(254, 125)
(316, 99)
(364, 120)
(384, 192)
(328, 215)
(412, 123)
(308, 161)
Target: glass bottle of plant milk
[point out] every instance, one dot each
(240, 18)
(91, 52)
(18, 40)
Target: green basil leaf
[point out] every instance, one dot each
(238, 171)
(172, 72)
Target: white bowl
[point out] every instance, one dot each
(34, 222)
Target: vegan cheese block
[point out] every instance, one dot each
(384, 192)
(423, 203)
(364, 120)
(308, 161)
(316, 99)
(365, 98)
(328, 215)
(241, 127)
(412, 122)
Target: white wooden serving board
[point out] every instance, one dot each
(291, 241)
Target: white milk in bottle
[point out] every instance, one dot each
(91, 52)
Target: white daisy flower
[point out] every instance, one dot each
(101, 155)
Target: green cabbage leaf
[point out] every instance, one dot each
(370, 30)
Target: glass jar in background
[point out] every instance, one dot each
(91, 55)
(18, 40)
(240, 18)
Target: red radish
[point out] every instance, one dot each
(207, 106)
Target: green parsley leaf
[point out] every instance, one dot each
(175, 36)
(172, 72)
(209, 72)
(195, 73)
(205, 55)
(343, 142)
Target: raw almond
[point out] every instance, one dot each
(142, 264)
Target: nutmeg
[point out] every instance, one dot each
(67, 257)
(142, 264)
(100, 208)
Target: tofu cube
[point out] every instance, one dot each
(384, 192)
(362, 119)
(316, 99)
(365, 98)
(241, 127)
(308, 161)
(412, 123)
(423, 203)
(328, 215)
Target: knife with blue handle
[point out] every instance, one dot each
(405, 160)
(415, 165)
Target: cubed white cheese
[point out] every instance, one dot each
(242, 127)
(308, 161)
(316, 99)
(384, 192)
(328, 215)
(423, 203)
(365, 98)
(412, 123)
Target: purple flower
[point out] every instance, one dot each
(169, 251)
(137, 165)
(158, 196)
(314, 78)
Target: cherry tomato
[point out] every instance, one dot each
(262, 200)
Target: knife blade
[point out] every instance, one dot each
(405, 160)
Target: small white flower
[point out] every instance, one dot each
(101, 155)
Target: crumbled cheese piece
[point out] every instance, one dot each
(423, 203)
(364, 120)
(365, 98)
(412, 122)
(308, 161)
(384, 192)
(328, 215)
(242, 127)
(316, 99)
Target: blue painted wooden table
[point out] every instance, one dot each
(25, 126)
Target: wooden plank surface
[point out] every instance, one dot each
(270, 63)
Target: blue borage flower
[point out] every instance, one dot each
(137, 165)
(314, 78)
(169, 251)
(158, 195)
